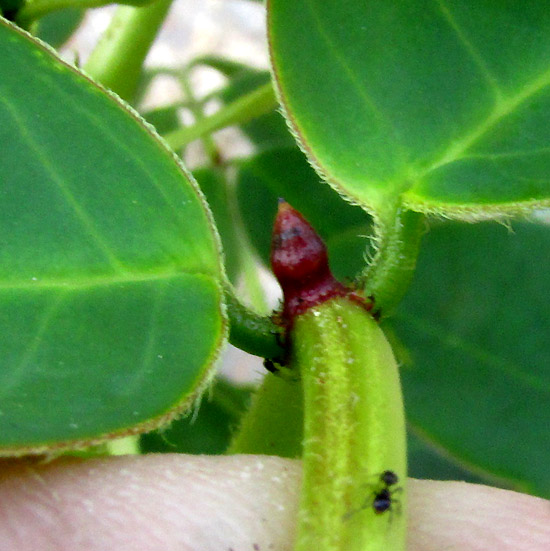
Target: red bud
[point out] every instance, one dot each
(300, 263)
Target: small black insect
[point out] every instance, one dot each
(384, 498)
(382, 495)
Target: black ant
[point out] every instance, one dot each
(382, 498)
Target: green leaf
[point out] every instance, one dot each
(57, 27)
(428, 462)
(214, 186)
(476, 324)
(110, 276)
(206, 432)
(445, 106)
(285, 173)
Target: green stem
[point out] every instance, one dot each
(118, 57)
(39, 8)
(273, 424)
(251, 332)
(252, 105)
(398, 233)
(354, 431)
(128, 445)
(196, 109)
(225, 66)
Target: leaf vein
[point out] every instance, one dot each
(489, 359)
(458, 149)
(84, 219)
(98, 281)
(470, 49)
(509, 154)
(138, 161)
(48, 315)
(357, 85)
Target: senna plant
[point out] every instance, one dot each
(413, 136)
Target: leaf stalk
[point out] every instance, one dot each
(397, 236)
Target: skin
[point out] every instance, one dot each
(223, 503)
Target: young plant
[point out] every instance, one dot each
(119, 268)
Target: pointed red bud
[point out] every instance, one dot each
(300, 263)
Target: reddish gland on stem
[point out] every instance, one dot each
(300, 263)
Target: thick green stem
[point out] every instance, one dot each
(118, 57)
(252, 105)
(397, 241)
(273, 424)
(354, 432)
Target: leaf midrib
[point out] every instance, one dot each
(69, 284)
(502, 109)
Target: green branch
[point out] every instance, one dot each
(39, 8)
(251, 332)
(248, 107)
(118, 57)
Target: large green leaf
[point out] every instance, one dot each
(446, 104)
(110, 276)
(476, 324)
